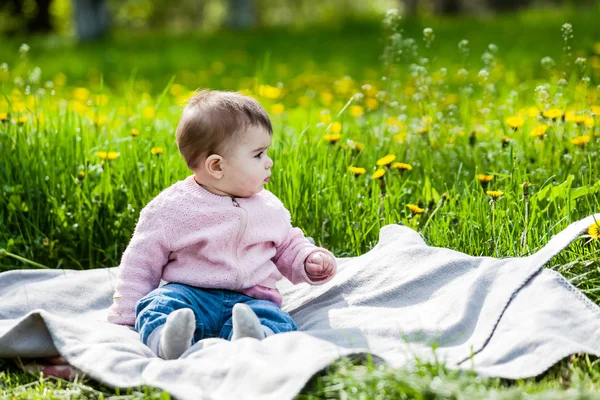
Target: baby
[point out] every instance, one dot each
(218, 238)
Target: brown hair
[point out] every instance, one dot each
(211, 119)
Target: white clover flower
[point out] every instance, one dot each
(23, 50)
(548, 63)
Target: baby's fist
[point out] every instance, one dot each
(320, 266)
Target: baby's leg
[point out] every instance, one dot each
(270, 316)
(171, 318)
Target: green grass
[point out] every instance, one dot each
(64, 205)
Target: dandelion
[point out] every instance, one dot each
(576, 118)
(415, 209)
(594, 231)
(325, 116)
(589, 122)
(81, 175)
(4, 117)
(356, 111)
(386, 160)
(336, 127)
(402, 166)
(269, 92)
(539, 131)
(378, 174)
(277, 109)
(111, 155)
(494, 194)
(148, 112)
(553, 113)
(157, 151)
(484, 179)
(134, 132)
(515, 122)
(580, 140)
(371, 103)
(505, 141)
(356, 146)
(20, 120)
(332, 137)
(357, 170)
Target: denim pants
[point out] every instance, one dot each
(212, 309)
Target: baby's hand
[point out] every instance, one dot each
(320, 266)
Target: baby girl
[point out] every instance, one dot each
(218, 238)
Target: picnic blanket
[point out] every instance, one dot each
(400, 301)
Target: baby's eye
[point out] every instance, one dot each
(258, 155)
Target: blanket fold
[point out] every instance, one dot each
(501, 317)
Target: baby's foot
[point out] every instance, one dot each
(246, 323)
(177, 334)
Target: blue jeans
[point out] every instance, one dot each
(212, 309)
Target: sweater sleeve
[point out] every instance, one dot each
(293, 251)
(141, 267)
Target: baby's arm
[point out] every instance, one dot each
(293, 252)
(141, 266)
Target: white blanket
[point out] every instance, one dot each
(500, 317)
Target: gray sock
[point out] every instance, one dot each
(177, 334)
(246, 323)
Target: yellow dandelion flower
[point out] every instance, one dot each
(277, 109)
(495, 194)
(580, 140)
(326, 98)
(402, 166)
(269, 92)
(81, 175)
(400, 138)
(81, 94)
(357, 170)
(379, 173)
(157, 150)
(415, 209)
(576, 118)
(102, 155)
(485, 179)
(135, 132)
(386, 160)
(533, 112)
(332, 137)
(596, 110)
(539, 131)
(553, 113)
(325, 116)
(515, 122)
(354, 145)
(356, 111)
(589, 122)
(594, 231)
(3, 117)
(371, 103)
(336, 127)
(112, 155)
(20, 120)
(148, 112)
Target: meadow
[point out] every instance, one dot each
(482, 134)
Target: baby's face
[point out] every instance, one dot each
(248, 167)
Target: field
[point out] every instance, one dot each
(481, 134)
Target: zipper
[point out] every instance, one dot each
(237, 241)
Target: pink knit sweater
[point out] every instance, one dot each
(189, 235)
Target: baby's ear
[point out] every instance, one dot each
(213, 165)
